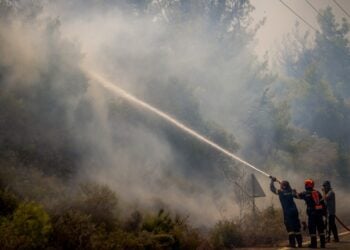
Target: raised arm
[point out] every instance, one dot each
(272, 185)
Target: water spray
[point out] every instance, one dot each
(124, 94)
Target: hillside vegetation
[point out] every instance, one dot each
(81, 168)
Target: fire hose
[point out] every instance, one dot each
(342, 223)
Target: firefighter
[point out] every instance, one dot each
(315, 211)
(329, 197)
(290, 211)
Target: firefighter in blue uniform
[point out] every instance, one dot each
(329, 198)
(290, 211)
(315, 211)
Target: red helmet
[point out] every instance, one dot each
(309, 184)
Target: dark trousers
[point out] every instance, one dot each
(316, 223)
(332, 227)
(292, 223)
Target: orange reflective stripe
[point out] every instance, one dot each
(318, 207)
(316, 198)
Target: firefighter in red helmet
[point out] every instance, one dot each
(290, 211)
(315, 211)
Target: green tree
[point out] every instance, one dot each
(28, 228)
(321, 102)
(332, 52)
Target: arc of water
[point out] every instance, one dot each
(121, 92)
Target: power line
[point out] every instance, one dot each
(319, 13)
(340, 7)
(300, 17)
(313, 7)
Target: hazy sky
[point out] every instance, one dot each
(280, 20)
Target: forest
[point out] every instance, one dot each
(83, 168)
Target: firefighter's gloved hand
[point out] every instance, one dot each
(273, 178)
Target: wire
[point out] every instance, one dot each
(300, 17)
(340, 7)
(314, 8)
(319, 13)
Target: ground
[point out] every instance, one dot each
(344, 244)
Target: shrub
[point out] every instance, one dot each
(226, 235)
(171, 232)
(100, 202)
(120, 239)
(73, 230)
(161, 223)
(29, 228)
(264, 228)
(134, 222)
(186, 237)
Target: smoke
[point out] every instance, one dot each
(157, 61)
(194, 65)
(40, 63)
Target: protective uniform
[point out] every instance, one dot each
(290, 212)
(315, 211)
(329, 197)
